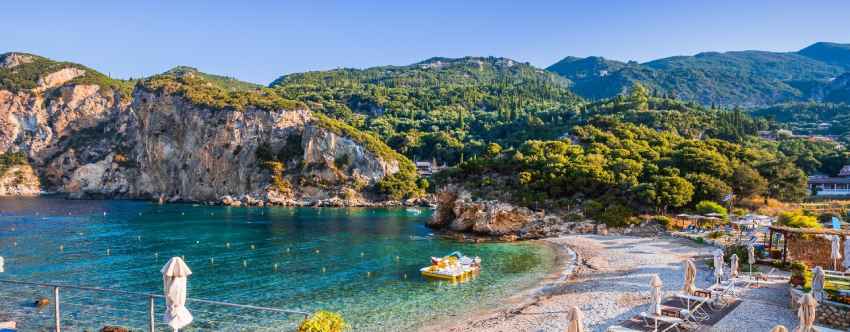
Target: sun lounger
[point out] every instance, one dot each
(651, 319)
(694, 310)
(618, 328)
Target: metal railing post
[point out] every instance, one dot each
(151, 321)
(56, 314)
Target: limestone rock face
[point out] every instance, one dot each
(457, 211)
(19, 181)
(86, 141)
(13, 60)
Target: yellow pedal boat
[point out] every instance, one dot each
(454, 267)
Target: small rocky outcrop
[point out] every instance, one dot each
(19, 181)
(457, 211)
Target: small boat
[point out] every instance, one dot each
(454, 267)
(413, 211)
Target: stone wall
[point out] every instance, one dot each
(827, 313)
(814, 250)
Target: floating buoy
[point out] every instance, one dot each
(104, 213)
(197, 242)
(244, 263)
(227, 244)
(182, 213)
(362, 254)
(61, 247)
(253, 247)
(317, 251)
(324, 270)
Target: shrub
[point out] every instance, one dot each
(323, 321)
(663, 221)
(797, 219)
(706, 207)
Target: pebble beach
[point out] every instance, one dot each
(609, 282)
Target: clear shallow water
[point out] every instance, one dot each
(361, 262)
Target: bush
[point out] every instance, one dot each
(663, 221)
(323, 321)
(706, 207)
(797, 219)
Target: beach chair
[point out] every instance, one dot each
(618, 328)
(650, 320)
(694, 307)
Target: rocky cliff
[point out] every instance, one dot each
(178, 138)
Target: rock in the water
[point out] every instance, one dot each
(42, 302)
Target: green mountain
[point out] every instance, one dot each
(441, 108)
(746, 78)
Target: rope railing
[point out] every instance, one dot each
(128, 307)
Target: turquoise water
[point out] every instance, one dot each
(361, 262)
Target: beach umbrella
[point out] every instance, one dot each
(779, 328)
(733, 268)
(690, 277)
(806, 313)
(576, 318)
(655, 283)
(174, 277)
(818, 279)
(835, 254)
(718, 265)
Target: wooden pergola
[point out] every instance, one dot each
(785, 231)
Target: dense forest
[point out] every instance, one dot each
(616, 167)
(442, 109)
(745, 78)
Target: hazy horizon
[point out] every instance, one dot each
(261, 40)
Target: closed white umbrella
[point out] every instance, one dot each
(174, 277)
(576, 318)
(806, 313)
(818, 279)
(655, 294)
(733, 268)
(690, 277)
(656, 284)
(718, 265)
(835, 254)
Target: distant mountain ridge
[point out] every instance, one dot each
(747, 78)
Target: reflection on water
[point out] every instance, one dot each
(362, 262)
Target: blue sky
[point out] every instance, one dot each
(260, 40)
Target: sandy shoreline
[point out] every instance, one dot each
(605, 276)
